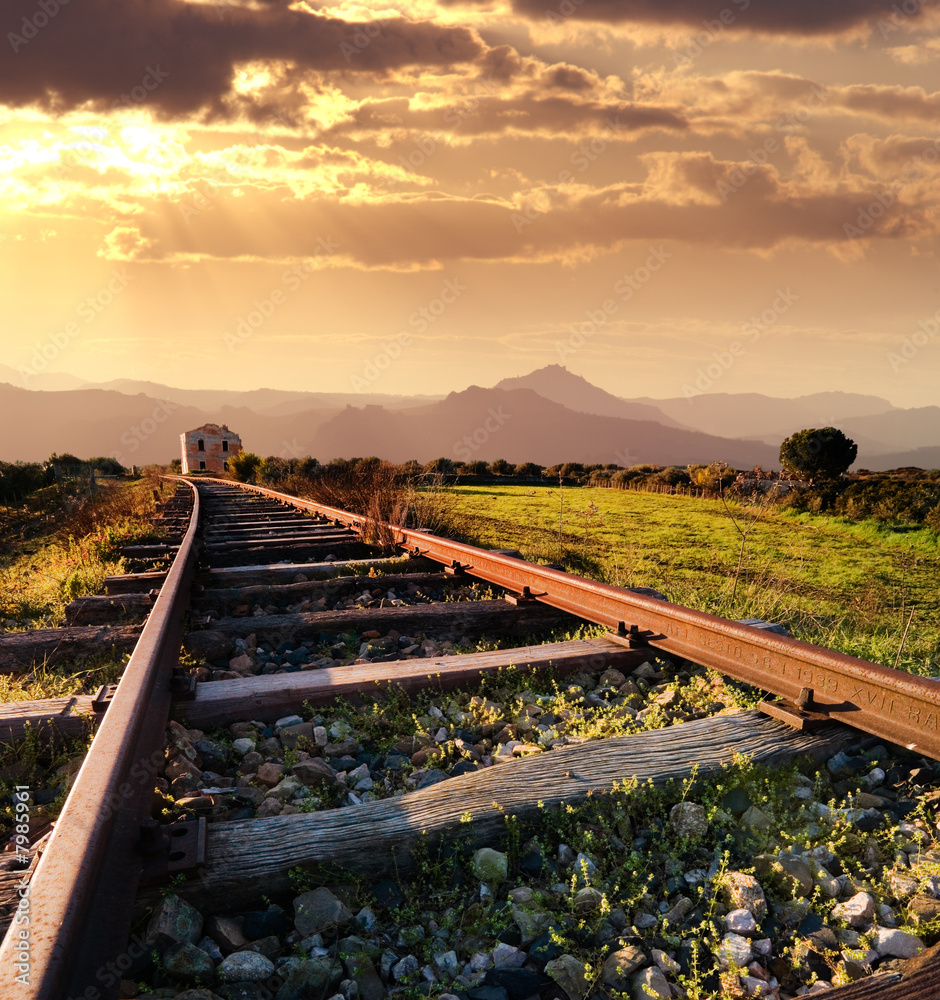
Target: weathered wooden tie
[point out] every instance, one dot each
(314, 535)
(263, 525)
(71, 716)
(279, 573)
(12, 877)
(306, 551)
(106, 609)
(378, 838)
(20, 650)
(150, 551)
(134, 583)
(473, 618)
(225, 600)
(274, 695)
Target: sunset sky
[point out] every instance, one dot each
(411, 197)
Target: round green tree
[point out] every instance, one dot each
(818, 453)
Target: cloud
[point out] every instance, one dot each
(527, 114)
(181, 58)
(896, 157)
(794, 17)
(925, 51)
(125, 243)
(742, 99)
(283, 70)
(891, 103)
(692, 198)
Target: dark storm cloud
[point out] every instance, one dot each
(181, 57)
(797, 17)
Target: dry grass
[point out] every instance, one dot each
(38, 577)
(384, 495)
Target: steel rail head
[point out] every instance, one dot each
(891, 704)
(76, 908)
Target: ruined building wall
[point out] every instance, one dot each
(208, 448)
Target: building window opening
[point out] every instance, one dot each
(225, 446)
(202, 465)
(200, 445)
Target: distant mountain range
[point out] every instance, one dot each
(556, 383)
(548, 416)
(767, 417)
(520, 425)
(277, 402)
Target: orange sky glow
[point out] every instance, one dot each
(268, 193)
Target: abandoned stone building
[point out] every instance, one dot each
(209, 448)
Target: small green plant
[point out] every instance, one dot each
(176, 882)
(301, 880)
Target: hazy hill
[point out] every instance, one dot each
(277, 402)
(769, 418)
(48, 381)
(556, 383)
(135, 429)
(274, 401)
(520, 425)
(921, 458)
(896, 430)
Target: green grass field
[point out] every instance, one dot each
(849, 586)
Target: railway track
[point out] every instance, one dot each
(269, 774)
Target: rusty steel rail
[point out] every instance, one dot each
(69, 938)
(819, 684)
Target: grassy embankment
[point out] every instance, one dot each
(58, 547)
(849, 586)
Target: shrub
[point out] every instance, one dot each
(713, 478)
(671, 475)
(883, 499)
(477, 468)
(244, 465)
(107, 466)
(444, 466)
(273, 471)
(19, 479)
